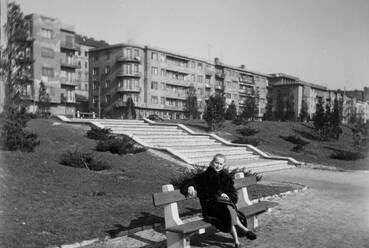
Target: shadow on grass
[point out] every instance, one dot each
(307, 135)
(146, 219)
(345, 155)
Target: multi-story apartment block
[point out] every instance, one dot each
(82, 89)
(291, 92)
(158, 80)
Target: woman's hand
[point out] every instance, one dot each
(191, 191)
(224, 195)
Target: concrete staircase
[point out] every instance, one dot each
(191, 147)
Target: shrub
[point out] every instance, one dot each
(191, 173)
(246, 131)
(87, 160)
(98, 133)
(295, 140)
(123, 145)
(239, 121)
(347, 155)
(247, 140)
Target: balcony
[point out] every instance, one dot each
(220, 75)
(173, 107)
(176, 95)
(209, 71)
(178, 82)
(69, 82)
(178, 68)
(126, 89)
(69, 62)
(129, 74)
(246, 92)
(129, 59)
(69, 46)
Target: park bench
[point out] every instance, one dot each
(178, 232)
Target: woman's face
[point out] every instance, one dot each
(218, 163)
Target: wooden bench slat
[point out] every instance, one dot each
(189, 227)
(163, 198)
(244, 182)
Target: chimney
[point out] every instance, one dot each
(242, 66)
(216, 61)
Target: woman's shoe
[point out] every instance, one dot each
(250, 235)
(237, 245)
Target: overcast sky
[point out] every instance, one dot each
(320, 41)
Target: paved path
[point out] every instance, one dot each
(333, 212)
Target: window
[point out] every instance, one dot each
(95, 100)
(127, 53)
(193, 77)
(135, 98)
(135, 68)
(107, 55)
(200, 66)
(86, 64)
(95, 71)
(79, 63)
(154, 55)
(199, 78)
(154, 99)
(46, 33)
(47, 71)
(107, 99)
(154, 85)
(95, 85)
(47, 52)
(136, 53)
(96, 57)
(107, 84)
(107, 69)
(162, 86)
(86, 53)
(162, 100)
(127, 68)
(192, 64)
(154, 70)
(162, 72)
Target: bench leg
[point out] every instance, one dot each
(252, 223)
(176, 240)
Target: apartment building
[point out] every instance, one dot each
(81, 91)
(290, 91)
(158, 81)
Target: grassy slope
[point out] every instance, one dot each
(44, 203)
(315, 152)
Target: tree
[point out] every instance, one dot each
(304, 111)
(43, 100)
(319, 117)
(214, 112)
(191, 109)
(269, 106)
(250, 110)
(129, 110)
(335, 120)
(231, 112)
(17, 72)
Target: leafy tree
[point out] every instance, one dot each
(250, 110)
(129, 110)
(214, 112)
(279, 113)
(43, 100)
(335, 120)
(304, 111)
(191, 109)
(16, 67)
(319, 117)
(231, 112)
(269, 106)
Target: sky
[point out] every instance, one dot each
(320, 41)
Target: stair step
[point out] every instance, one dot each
(147, 133)
(174, 138)
(141, 127)
(244, 157)
(212, 153)
(221, 148)
(183, 144)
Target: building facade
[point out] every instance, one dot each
(158, 80)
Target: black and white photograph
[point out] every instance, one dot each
(184, 123)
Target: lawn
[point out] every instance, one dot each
(44, 203)
(317, 152)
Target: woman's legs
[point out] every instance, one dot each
(234, 234)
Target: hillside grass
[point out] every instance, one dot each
(44, 203)
(270, 141)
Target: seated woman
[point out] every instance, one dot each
(218, 198)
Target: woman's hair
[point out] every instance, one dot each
(218, 155)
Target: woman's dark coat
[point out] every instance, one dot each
(209, 186)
